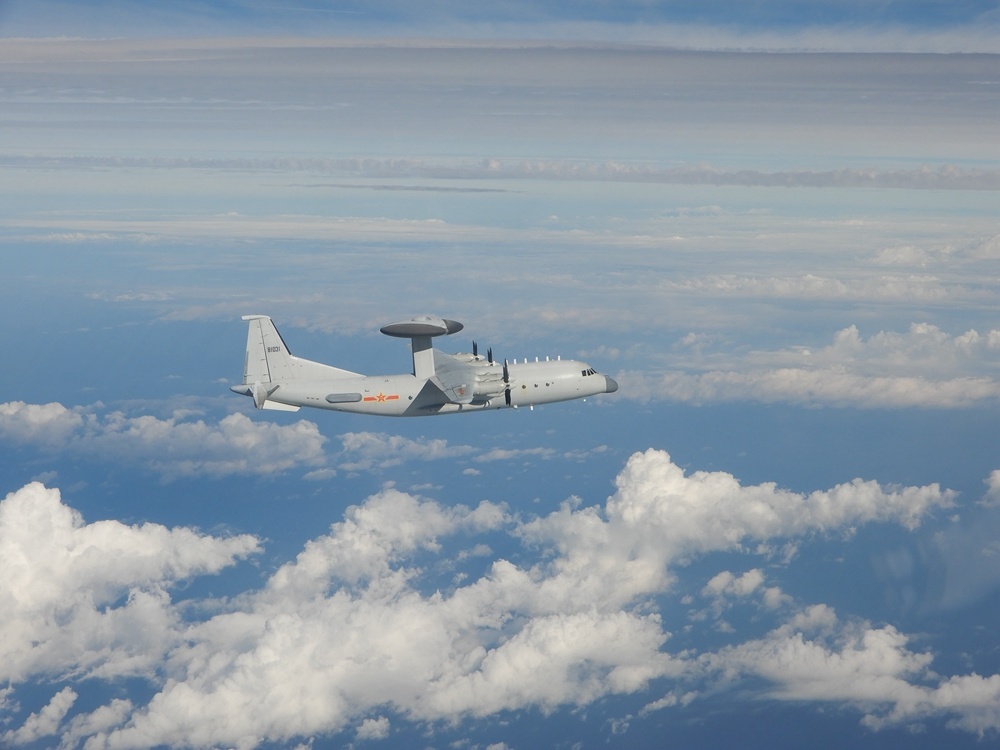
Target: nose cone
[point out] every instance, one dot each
(610, 386)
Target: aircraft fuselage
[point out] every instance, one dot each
(405, 395)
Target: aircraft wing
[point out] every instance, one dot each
(454, 378)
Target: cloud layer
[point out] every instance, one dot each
(924, 367)
(175, 447)
(944, 177)
(355, 635)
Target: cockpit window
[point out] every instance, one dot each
(589, 371)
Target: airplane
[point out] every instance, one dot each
(439, 384)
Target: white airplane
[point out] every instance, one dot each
(440, 383)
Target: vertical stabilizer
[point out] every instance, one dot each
(267, 358)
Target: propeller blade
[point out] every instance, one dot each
(506, 380)
(489, 355)
(475, 349)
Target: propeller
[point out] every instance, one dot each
(489, 352)
(506, 370)
(506, 382)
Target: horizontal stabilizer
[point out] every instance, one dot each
(278, 406)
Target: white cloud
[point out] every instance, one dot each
(364, 451)
(184, 446)
(725, 583)
(515, 454)
(993, 488)
(175, 447)
(924, 367)
(945, 177)
(64, 581)
(345, 636)
(810, 388)
(927, 289)
(559, 659)
(38, 423)
(724, 589)
(816, 657)
(659, 516)
(924, 349)
(46, 722)
(386, 528)
(373, 729)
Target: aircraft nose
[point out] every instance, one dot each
(610, 386)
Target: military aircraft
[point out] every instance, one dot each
(439, 384)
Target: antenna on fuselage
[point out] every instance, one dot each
(420, 330)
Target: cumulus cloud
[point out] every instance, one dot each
(818, 657)
(923, 367)
(368, 450)
(373, 729)
(353, 632)
(659, 516)
(176, 447)
(725, 583)
(49, 424)
(91, 599)
(46, 722)
(993, 488)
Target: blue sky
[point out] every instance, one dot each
(783, 526)
(903, 25)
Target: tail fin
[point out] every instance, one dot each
(267, 359)
(268, 364)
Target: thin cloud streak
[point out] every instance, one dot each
(940, 177)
